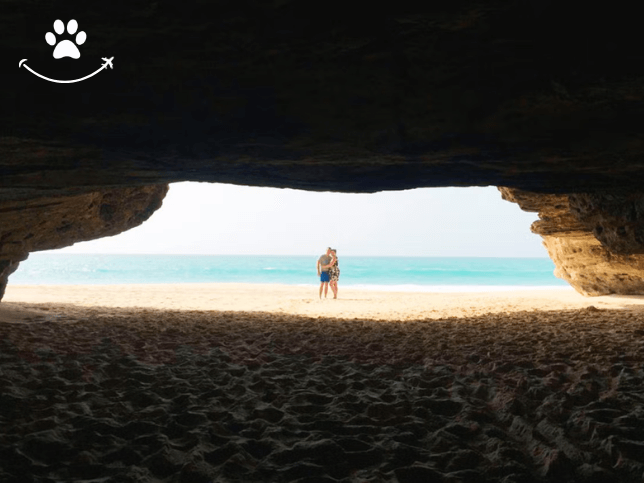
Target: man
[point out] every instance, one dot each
(323, 271)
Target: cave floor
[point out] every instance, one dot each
(143, 395)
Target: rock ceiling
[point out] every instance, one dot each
(542, 98)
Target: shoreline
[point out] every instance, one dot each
(304, 300)
(439, 288)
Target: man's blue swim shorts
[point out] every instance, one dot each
(324, 277)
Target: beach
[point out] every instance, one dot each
(304, 300)
(267, 383)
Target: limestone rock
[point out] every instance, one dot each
(555, 215)
(616, 219)
(7, 267)
(592, 269)
(569, 225)
(47, 223)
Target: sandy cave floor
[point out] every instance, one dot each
(141, 395)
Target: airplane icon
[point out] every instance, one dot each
(108, 62)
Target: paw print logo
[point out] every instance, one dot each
(66, 48)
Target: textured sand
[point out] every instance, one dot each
(483, 387)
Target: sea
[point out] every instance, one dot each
(412, 274)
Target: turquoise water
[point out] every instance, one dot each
(385, 273)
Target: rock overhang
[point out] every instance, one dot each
(533, 97)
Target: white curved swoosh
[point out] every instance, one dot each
(56, 80)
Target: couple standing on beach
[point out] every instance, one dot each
(329, 272)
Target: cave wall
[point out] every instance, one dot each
(47, 223)
(594, 240)
(541, 97)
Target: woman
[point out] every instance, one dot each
(334, 273)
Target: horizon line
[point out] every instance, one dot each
(286, 255)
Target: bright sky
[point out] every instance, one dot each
(209, 218)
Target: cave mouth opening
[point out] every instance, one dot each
(421, 239)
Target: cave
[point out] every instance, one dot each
(541, 100)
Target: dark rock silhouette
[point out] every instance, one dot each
(541, 97)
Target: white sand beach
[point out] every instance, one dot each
(299, 300)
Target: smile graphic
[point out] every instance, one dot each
(108, 62)
(67, 48)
